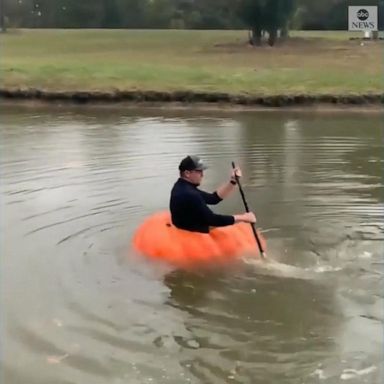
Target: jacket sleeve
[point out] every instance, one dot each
(210, 198)
(211, 218)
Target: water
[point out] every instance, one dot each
(79, 307)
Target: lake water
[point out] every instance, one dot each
(77, 306)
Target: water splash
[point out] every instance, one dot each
(353, 373)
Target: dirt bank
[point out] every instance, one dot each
(190, 97)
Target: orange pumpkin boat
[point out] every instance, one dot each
(158, 239)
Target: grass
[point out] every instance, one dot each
(310, 62)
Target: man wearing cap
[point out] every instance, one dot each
(188, 204)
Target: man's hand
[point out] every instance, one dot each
(227, 188)
(247, 217)
(236, 172)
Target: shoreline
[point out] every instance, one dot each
(191, 99)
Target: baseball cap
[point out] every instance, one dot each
(192, 163)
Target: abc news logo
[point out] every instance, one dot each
(362, 18)
(362, 14)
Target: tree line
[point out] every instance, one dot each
(259, 16)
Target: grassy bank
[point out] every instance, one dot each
(206, 61)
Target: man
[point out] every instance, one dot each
(188, 204)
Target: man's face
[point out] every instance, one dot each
(195, 176)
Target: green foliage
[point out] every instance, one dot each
(266, 16)
(258, 15)
(331, 14)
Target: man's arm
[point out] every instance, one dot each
(217, 220)
(227, 188)
(211, 218)
(210, 198)
(222, 192)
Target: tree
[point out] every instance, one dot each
(135, 13)
(216, 14)
(266, 16)
(160, 13)
(251, 12)
(277, 14)
(111, 17)
(331, 14)
(2, 17)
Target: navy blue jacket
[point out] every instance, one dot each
(189, 210)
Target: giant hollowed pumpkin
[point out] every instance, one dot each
(159, 239)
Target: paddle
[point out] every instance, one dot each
(263, 255)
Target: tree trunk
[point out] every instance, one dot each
(255, 38)
(2, 23)
(2, 17)
(284, 32)
(272, 37)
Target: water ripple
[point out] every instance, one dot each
(81, 307)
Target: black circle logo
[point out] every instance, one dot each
(362, 14)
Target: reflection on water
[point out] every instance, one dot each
(78, 307)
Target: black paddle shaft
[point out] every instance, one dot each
(247, 210)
